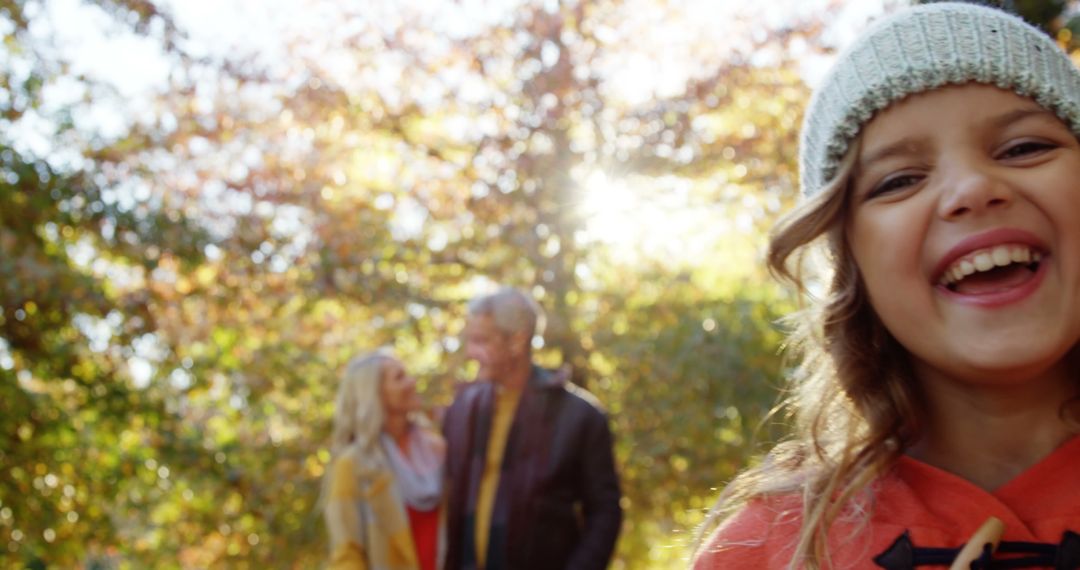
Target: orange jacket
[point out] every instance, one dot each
(935, 509)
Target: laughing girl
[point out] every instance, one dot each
(936, 405)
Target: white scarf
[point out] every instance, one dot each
(419, 476)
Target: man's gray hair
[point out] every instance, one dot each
(511, 310)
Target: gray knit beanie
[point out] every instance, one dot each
(922, 48)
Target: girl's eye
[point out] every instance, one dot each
(894, 183)
(1025, 148)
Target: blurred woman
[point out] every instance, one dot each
(383, 489)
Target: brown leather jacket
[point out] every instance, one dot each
(557, 505)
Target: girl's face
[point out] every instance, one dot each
(398, 389)
(965, 225)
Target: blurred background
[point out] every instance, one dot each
(208, 206)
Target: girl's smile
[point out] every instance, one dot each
(965, 225)
(993, 269)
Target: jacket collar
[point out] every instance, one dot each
(545, 379)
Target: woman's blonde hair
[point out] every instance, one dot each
(852, 399)
(358, 423)
(358, 411)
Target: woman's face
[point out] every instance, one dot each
(398, 389)
(964, 221)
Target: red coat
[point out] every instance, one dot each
(934, 508)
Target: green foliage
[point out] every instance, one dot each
(1043, 13)
(690, 377)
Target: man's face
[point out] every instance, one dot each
(492, 349)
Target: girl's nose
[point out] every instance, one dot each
(972, 189)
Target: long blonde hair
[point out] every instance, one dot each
(358, 411)
(358, 423)
(852, 399)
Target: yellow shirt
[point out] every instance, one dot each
(506, 402)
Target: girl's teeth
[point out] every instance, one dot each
(987, 259)
(1002, 256)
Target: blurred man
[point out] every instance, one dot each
(531, 477)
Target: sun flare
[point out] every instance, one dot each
(658, 219)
